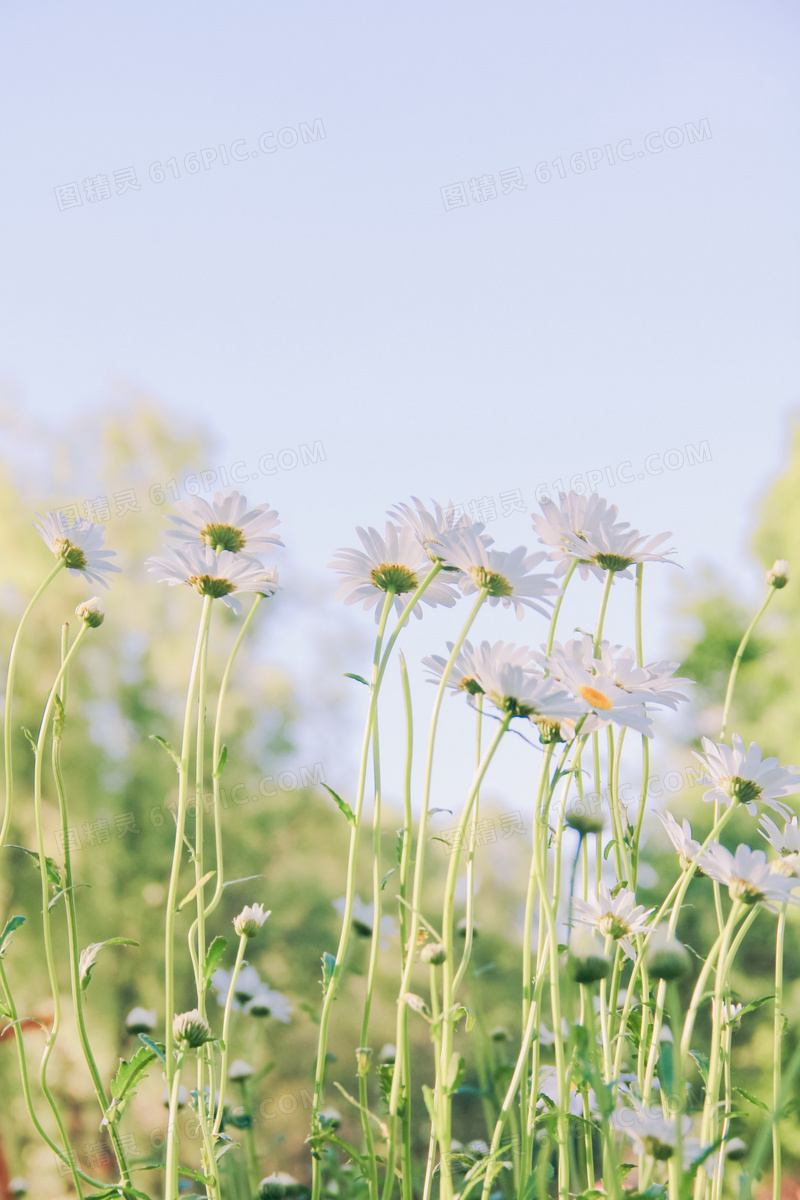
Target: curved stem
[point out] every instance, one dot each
(12, 668)
(226, 1022)
(738, 659)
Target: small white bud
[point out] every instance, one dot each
(18, 1186)
(778, 574)
(587, 956)
(250, 920)
(91, 612)
(191, 1029)
(141, 1020)
(665, 956)
(239, 1070)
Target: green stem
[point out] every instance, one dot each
(226, 1022)
(12, 668)
(557, 609)
(171, 1166)
(738, 659)
(601, 616)
(777, 1051)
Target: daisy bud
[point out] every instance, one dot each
(91, 612)
(587, 957)
(250, 920)
(735, 1149)
(330, 1118)
(388, 1053)
(18, 1186)
(191, 1030)
(583, 821)
(666, 958)
(500, 1034)
(778, 574)
(363, 1060)
(239, 1070)
(461, 928)
(141, 1020)
(434, 953)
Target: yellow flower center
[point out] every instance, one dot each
(595, 698)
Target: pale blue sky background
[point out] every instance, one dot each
(323, 292)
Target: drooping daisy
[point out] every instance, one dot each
(741, 775)
(748, 876)
(506, 575)
(395, 562)
(428, 527)
(570, 526)
(363, 918)
(787, 844)
(218, 575)
(248, 984)
(617, 916)
(79, 543)
(463, 676)
(681, 837)
(225, 524)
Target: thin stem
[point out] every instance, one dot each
(557, 609)
(601, 616)
(12, 667)
(226, 1022)
(738, 659)
(777, 1052)
(171, 1171)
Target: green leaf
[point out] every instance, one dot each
(63, 892)
(5, 937)
(123, 1085)
(166, 746)
(53, 870)
(342, 805)
(190, 895)
(753, 1099)
(223, 758)
(89, 956)
(156, 1047)
(31, 739)
(387, 877)
(702, 1063)
(358, 678)
(455, 1071)
(433, 811)
(213, 956)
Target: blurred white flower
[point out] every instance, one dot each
(681, 838)
(741, 775)
(428, 527)
(248, 985)
(787, 844)
(363, 918)
(225, 524)
(269, 1003)
(79, 543)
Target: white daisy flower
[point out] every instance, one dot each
(91, 612)
(506, 575)
(395, 561)
(515, 689)
(239, 1070)
(573, 666)
(268, 583)
(748, 876)
(225, 524)
(79, 543)
(428, 527)
(210, 574)
(141, 1020)
(654, 683)
(363, 918)
(269, 1003)
(740, 775)
(681, 837)
(618, 547)
(787, 844)
(248, 985)
(617, 916)
(463, 676)
(649, 1130)
(729, 1014)
(569, 526)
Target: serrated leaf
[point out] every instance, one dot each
(156, 1047)
(5, 937)
(223, 758)
(358, 678)
(190, 895)
(342, 805)
(213, 955)
(89, 956)
(154, 737)
(123, 1085)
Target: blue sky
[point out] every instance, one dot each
(318, 289)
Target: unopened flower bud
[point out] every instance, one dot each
(587, 957)
(433, 953)
(461, 928)
(388, 1053)
(583, 821)
(250, 920)
(363, 1060)
(778, 574)
(666, 958)
(91, 612)
(735, 1149)
(191, 1030)
(277, 1184)
(330, 1118)
(141, 1020)
(500, 1034)
(18, 1186)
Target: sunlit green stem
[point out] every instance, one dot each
(226, 1023)
(777, 1053)
(171, 1166)
(8, 700)
(738, 659)
(551, 633)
